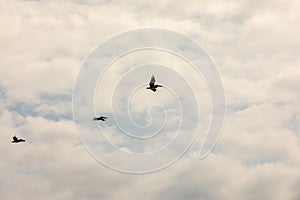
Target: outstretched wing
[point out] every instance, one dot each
(102, 118)
(152, 81)
(22, 140)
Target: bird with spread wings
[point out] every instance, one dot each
(101, 118)
(17, 140)
(152, 85)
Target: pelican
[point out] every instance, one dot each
(152, 85)
(17, 140)
(102, 118)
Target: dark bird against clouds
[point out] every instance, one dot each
(102, 118)
(17, 140)
(152, 85)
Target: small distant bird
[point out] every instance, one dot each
(102, 118)
(17, 140)
(152, 85)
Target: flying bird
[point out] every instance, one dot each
(152, 85)
(102, 118)
(17, 140)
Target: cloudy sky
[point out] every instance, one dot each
(49, 48)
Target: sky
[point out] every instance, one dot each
(56, 75)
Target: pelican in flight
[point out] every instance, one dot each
(17, 140)
(152, 85)
(102, 118)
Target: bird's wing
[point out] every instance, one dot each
(152, 81)
(15, 138)
(21, 140)
(102, 118)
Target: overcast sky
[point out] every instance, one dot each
(44, 45)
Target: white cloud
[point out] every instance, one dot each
(255, 45)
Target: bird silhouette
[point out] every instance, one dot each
(101, 118)
(17, 140)
(152, 85)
